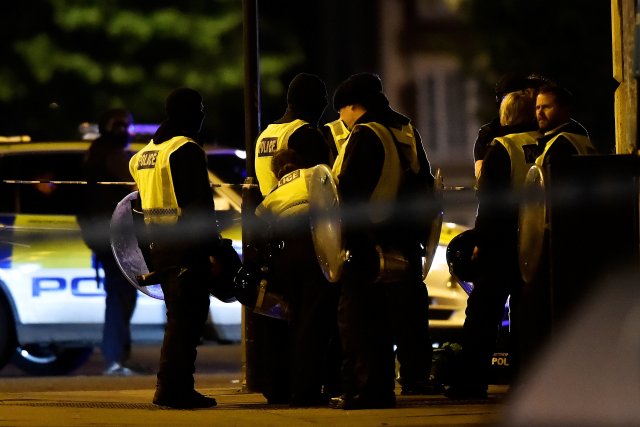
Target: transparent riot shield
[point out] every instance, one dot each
(531, 224)
(326, 223)
(126, 250)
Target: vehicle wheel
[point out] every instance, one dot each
(49, 359)
(7, 333)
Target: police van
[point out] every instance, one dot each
(51, 295)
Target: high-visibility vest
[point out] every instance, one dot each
(150, 169)
(581, 143)
(290, 197)
(275, 137)
(520, 163)
(386, 189)
(339, 132)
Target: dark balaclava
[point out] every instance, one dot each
(114, 125)
(184, 110)
(307, 97)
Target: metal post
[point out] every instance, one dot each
(249, 198)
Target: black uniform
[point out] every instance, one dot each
(288, 372)
(498, 272)
(536, 318)
(107, 160)
(372, 316)
(180, 251)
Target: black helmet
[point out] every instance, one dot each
(459, 258)
(225, 266)
(245, 285)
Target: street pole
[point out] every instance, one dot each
(250, 194)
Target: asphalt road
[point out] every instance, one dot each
(85, 397)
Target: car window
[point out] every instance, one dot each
(227, 166)
(43, 198)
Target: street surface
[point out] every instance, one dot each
(86, 398)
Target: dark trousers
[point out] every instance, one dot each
(410, 320)
(120, 301)
(301, 358)
(366, 335)
(186, 298)
(498, 278)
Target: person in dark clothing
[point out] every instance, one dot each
(312, 361)
(297, 130)
(510, 82)
(498, 279)
(179, 214)
(377, 310)
(561, 137)
(107, 160)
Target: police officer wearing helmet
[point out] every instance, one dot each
(383, 151)
(296, 130)
(497, 270)
(312, 352)
(179, 214)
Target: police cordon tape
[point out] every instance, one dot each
(130, 183)
(22, 181)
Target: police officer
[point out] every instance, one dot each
(382, 152)
(504, 168)
(336, 134)
(313, 351)
(179, 213)
(562, 136)
(509, 82)
(108, 160)
(297, 130)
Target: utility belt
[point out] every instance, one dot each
(381, 262)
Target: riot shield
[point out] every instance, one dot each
(127, 252)
(436, 225)
(531, 224)
(326, 223)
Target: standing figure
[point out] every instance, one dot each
(504, 168)
(296, 130)
(312, 355)
(510, 82)
(180, 222)
(561, 137)
(378, 309)
(108, 160)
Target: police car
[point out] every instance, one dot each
(51, 304)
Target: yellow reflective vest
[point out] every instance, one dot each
(339, 132)
(290, 197)
(581, 143)
(275, 137)
(386, 189)
(150, 169)
(520, 163)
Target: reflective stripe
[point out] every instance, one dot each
(151, 170)
(581, 143)
(275, 137)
